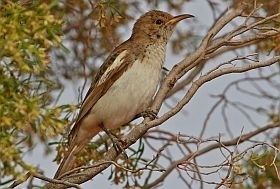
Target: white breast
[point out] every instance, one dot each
(132, 93)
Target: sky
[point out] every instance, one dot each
(189, 122)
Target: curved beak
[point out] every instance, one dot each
(177, 19)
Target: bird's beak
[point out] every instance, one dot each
(177, 19)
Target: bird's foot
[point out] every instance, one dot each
(117, 142)
(118, 145)
(150, 114)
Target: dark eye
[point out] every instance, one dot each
(159, 22)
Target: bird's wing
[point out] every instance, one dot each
(114, 66)
(103, 70)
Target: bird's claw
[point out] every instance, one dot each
(118, 143)
(150, 114)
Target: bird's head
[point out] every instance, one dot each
(156, 26)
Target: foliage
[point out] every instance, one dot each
(269, 8)
(262, 168)
(27, 34)
(31, 30)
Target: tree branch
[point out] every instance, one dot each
(235, 141)
(207, 49)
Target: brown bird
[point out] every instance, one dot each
(125, 84)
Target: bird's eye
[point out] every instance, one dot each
(159, 22)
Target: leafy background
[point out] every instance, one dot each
(48, 43)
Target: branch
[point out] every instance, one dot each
(205, 51)
(238, 140)
(139, 130)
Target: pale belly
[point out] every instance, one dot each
(129, 96)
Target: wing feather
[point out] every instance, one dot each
(109, 72)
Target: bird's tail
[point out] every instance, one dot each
(68, 161)
(79, 137)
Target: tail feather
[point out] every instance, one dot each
(79, 138)
(68, 162)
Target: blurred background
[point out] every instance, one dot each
(51, 50)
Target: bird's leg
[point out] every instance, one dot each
(149, 113)
(117, 142)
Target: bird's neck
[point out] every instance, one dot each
(146, 49)
(145, 39)
(153, 55)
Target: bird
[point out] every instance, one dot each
(125, 84)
